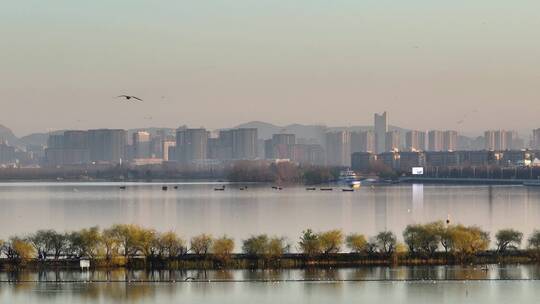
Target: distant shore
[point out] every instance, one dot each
(473, 181)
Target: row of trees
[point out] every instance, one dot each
(284, 172)
(129, 241)
(124, 240)
(419, 239)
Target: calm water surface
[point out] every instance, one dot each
(196, 208)
(271, 292)
(421, 284)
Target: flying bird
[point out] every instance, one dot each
(128, 97)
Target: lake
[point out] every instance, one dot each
(423, 284)
(195, 208)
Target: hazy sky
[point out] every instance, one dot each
(218, 63)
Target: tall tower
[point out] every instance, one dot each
(536, 139)
(380, 127)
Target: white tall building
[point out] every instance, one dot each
(380, 127)
(499, 140)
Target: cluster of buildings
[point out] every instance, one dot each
(342, 144)
(11, 156)
(86, 147)
(433, 147)
(194, 146)
(394, 147)
(403, 161)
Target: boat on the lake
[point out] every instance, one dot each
(349, 178)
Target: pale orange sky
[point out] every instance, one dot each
(224, 62)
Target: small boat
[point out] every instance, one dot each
(274, 187)
(327, 189)
(164, 188)
(348, 177)
(242, 188)
(220, 189)
(175, 187)
(347, 190)
(122, 187)
(311, 188)
(279, 188)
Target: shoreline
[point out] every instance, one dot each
(286, 261)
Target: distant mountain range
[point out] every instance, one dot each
(7, 135)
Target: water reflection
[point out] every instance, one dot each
(195, 208)
(381, 273)
(426, 286)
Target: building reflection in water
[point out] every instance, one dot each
(381, 210)
(417, 202)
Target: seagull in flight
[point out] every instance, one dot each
(128, 97)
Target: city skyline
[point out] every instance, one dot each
(213, 65)
(183, 150)
(525, 133)
(202, 147)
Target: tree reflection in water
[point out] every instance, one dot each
(119, 285)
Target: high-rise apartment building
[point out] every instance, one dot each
(191, 145)
(435, 140)
(141, 144)
(442, 140)
(380, 127)
(392, 141)
(234, 144)
(499, 140)
(363, 141)
(415, 140)
(107, 145)
(450, 140)
(244, 143)
(168, 146)
(535, 142)
(338, 148)
(75, 148)
(287, 139)
(280, 146)
(310, 154)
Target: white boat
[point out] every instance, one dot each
(349, 178)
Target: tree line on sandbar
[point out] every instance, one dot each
(121, 243)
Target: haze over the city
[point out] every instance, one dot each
(463, 65)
